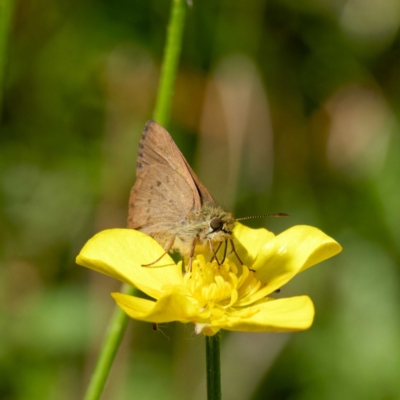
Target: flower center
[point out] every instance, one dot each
(218, 287)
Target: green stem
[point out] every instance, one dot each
(114, 336)
(169, 67)
(6, 13)
(170, 62)
(213, 367)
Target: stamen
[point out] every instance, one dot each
(218, 287)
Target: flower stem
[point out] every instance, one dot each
(213, 367)
(115, 333)
(6, 13)
(169, 66)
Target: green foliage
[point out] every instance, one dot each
(296, 105)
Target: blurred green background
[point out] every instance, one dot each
(280, 106)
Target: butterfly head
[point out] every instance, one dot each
(219, 225)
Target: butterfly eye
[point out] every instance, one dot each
(216, 224)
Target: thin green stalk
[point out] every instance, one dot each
(6, 13)
(114, 336)
(213, 366)
(170, 62)
(119, 321)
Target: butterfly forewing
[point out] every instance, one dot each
(166, 188)
(205, 195)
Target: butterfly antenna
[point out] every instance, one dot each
(278, 215)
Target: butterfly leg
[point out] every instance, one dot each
(234, 251)
(191, 255)
(211, 244)
(167, 250)
(225, 249)
(237, 255)
(215, 255)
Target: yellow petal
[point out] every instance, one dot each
(281, 315)
(248, 242)
(294, 250)
(171, 307)
(120, 253)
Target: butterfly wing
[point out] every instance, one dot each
(205, 195)
(166, 188)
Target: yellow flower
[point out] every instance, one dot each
(213, 297)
